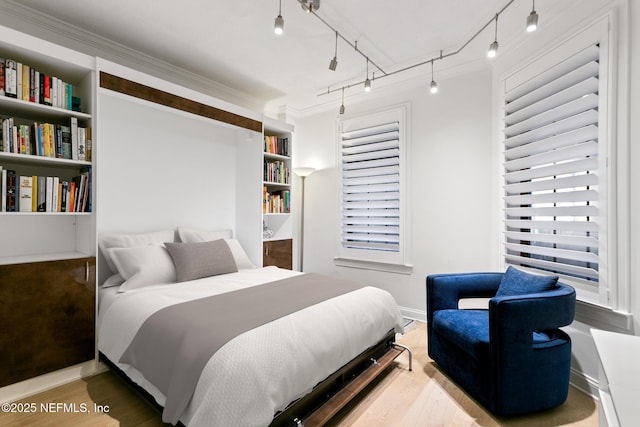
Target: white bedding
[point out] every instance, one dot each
(261, 371)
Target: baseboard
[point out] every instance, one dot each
(411, 313)
(45, 382)
(584, 383)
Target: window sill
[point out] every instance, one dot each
(373, 265)
(601, 317)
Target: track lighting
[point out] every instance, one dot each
(433, 87)
(493, 48)
(532, 19)
(334, 62)
(310, 5)
(367, 82)
(278, 27)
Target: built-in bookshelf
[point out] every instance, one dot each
(46, 150)
(47, 218)
(276, 187)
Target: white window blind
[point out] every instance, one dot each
(371, 188)
(552, 185)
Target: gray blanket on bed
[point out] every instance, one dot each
(174, 344)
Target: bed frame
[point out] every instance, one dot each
(328, 396)
(332, 394)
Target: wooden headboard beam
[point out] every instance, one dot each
(128, 87)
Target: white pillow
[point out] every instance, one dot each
(113, 280)
(192, 235)
(119, 240)
(142, 266)
(242, 260)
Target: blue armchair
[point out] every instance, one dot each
(511, 358)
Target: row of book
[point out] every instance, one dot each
(21, 81)
(276, 202)
(71, 142)
(276, 145)
(26, 193)
(276, 171)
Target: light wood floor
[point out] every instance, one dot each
(424, 397)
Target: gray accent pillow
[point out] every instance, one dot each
(201, 259)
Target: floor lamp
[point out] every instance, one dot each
(303, 173)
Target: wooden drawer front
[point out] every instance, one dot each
(278, 253)
(47, 317)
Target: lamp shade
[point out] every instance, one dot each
(303, 172)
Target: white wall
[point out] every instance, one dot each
(155, 165)
(452, 197)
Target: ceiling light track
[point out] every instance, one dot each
(419, 64)
(354, 45)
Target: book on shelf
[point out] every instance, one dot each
(65, 141)
(3, 188)
(82, 143)
(74, 138)
(46, 139)
(2, 80)
(41, 195)
(276, 171)
(11, 188)
(276, 201)
(10, 78)
(49, 197)
(24, 82)
(276, 145)
(34, 193)
(26, 193)
(30, 193)
(89, 144)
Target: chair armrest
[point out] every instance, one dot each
(512, 319)
(445, 290)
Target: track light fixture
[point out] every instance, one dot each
(433, 87)
(367, 82)
(532, 19)
(278, 27)
(310, 5)
(334, 62)
(493, 48)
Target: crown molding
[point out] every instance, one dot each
(24, 19)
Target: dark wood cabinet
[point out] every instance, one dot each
(47, 317)
(278, 253)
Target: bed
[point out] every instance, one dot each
(262, 372)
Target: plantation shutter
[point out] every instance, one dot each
(551, 170)
(371, 188)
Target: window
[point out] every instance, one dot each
(372, 151)
(555, 171)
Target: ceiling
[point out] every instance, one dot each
(233, 43)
